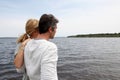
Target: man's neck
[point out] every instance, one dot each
(43, 36)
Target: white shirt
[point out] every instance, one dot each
(40, 57)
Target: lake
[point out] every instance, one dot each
(79, 58)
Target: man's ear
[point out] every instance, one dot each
(50, 29)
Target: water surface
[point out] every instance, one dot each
(79, 59)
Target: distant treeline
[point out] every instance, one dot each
(98, 35)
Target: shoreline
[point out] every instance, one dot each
(96, 35)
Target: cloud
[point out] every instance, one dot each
(75, 16)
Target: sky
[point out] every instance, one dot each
(75, 16)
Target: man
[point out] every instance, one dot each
(40, 55)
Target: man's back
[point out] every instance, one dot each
(41, 59)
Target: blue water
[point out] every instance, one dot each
(79, 59)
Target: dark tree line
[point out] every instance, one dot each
(98, 35)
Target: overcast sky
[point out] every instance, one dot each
(75, 16)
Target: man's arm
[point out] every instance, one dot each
(49, 64)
